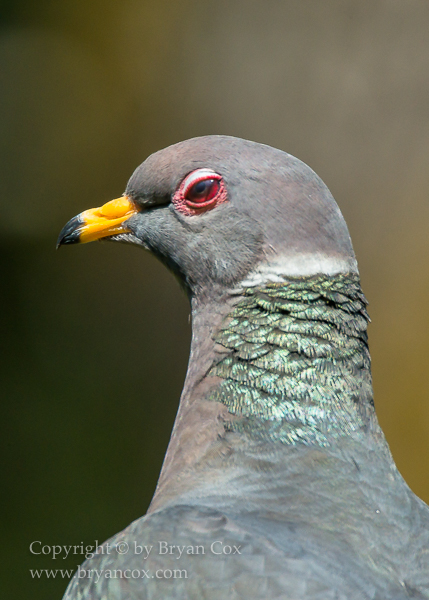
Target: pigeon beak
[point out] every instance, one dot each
(97, 223)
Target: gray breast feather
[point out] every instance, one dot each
(187, 553)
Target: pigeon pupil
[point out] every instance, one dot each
(203, 191)
(200, 187)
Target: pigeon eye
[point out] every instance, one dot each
(200, 191)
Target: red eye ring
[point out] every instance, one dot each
(200, 191)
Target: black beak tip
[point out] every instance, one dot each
(70, 233)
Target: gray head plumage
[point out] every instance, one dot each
(279, 218)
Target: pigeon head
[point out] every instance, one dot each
(221, 211)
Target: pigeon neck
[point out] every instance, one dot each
(283, 363)
(298, 364)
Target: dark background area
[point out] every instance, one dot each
(95, 338)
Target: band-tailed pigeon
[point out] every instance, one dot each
(278, 482)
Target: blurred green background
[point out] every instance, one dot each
(95, 338)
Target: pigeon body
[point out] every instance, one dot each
(278, 482)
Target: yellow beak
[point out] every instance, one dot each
(97, 223)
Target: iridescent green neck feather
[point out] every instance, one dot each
(298, 366)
